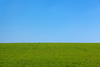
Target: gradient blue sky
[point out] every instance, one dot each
(49, 21)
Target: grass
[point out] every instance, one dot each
(49, 54)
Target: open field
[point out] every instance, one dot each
(49, 54)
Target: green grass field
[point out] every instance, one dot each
(49, 54)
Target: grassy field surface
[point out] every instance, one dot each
(49, 54)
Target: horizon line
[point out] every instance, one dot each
(52, 42)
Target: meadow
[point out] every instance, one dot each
(49, 54)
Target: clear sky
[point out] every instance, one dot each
(49, 21)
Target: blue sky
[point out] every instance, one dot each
(49, 21)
